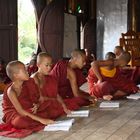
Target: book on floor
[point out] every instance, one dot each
(79, 113)
(84, 87)
(109, 104)
(63, 125)
(134, 96)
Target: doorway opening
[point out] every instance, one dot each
(27, 36)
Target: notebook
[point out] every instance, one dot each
(109, 104)
(79, 113)
(64, 125)
(134, 96)
(84, 87)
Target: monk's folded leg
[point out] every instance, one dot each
(21, 122)
(101, 89)
(119, 95)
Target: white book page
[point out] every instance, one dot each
(134, 96)
(109, 104)
(84, 87)
(79, 113)
(64, 125)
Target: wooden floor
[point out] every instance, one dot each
(102, 124)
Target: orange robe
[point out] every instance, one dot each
(59, 71)
(110, 84)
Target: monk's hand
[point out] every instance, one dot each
(34, 108)
(46, 121)
(66, 110)
(93, 99)
(138, 91)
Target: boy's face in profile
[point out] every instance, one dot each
(117, 52)
(81, 61)
(46, 65)
(22, 73)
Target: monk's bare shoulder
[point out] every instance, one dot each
(10, 91)
(70, 73)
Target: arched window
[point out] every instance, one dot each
(27, 38)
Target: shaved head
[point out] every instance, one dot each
(110, 55)
(12, 68)
(78, 58)
(125, 56)
(41, 56)
(77, 52)
(119, 48)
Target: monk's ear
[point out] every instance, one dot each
(38, 64)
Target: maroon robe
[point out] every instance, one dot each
(32, 69)
(135, 75)
(59, 71)
(50, 89)
(12, 117)
(110, 85)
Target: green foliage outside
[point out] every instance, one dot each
(27, 38)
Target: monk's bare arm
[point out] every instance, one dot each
(59, 98)
(95, 65)
(72, 78)
(13, 98)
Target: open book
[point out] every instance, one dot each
(84, 87)
(134, 96)
(109, 104)
(79, 113)
(64, 125)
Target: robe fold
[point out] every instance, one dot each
(133, 74)
(59, 72)
(110, 84)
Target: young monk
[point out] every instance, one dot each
(118, 51)
(67, 76)
(19, 111)
(45, 88)
(128, 71)
(89, 58)
(105, 80)
(110, 55)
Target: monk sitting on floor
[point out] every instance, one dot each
(65, 73)
(19, 111)
(45, 88)
(130, 72)
(105, 81)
